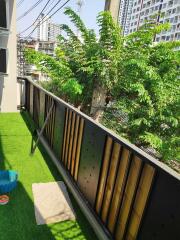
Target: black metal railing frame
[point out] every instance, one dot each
(76, 139)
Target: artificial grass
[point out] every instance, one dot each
(17, 220)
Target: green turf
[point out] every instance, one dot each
(17, 220)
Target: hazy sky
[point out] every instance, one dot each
(89, 12)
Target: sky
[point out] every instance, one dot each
(89, 11)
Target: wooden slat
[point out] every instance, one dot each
(47, 109)
(103, 176)
(81, 127)
(67, 138)
(50, 121)
(74, 145)
(118, 189)
(52, 124)
(48, 106)
(65, 135)
(128, 197)
(45, 114)
(71, 140)
(31, 100)
(140, 201)
(110, 181)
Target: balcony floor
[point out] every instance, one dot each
(17, 218)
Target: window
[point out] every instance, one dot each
(175, 19)
(177, 36)
(164, 5)
(167, 38)
(170, 3)
(3, 20)
(151, 10)
(3, 60)
(157, 39)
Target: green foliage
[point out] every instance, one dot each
(82, 62)
(147, 92)
(141, 77)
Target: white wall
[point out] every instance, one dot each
(8, 84)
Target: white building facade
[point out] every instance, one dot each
(166, 10)
(47, 31)
(8, 57)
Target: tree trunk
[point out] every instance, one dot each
(98, 102)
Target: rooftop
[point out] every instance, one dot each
(17, 219)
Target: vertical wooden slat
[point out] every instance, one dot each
(65, 135)
(103, 176)
(74, 145)
(140, 201)
(31, 99)
(52, 124)
(48, 124)
(71, 140)
(27, 96)
(118, 189)
(47, 108)
(81, 127)
(128, 197)
(110, 181)
(67, 139)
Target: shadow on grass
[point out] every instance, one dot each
(69, 229)
(17, 219)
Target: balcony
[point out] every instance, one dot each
(123, 192)
(17, 219)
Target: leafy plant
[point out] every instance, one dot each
(135, 80)
(147, 92)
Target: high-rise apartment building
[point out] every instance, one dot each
(125, 15)
(141, 10)
(47, 31)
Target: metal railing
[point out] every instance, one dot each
(124, 192)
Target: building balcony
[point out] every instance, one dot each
(117, 190)
(17, 219)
